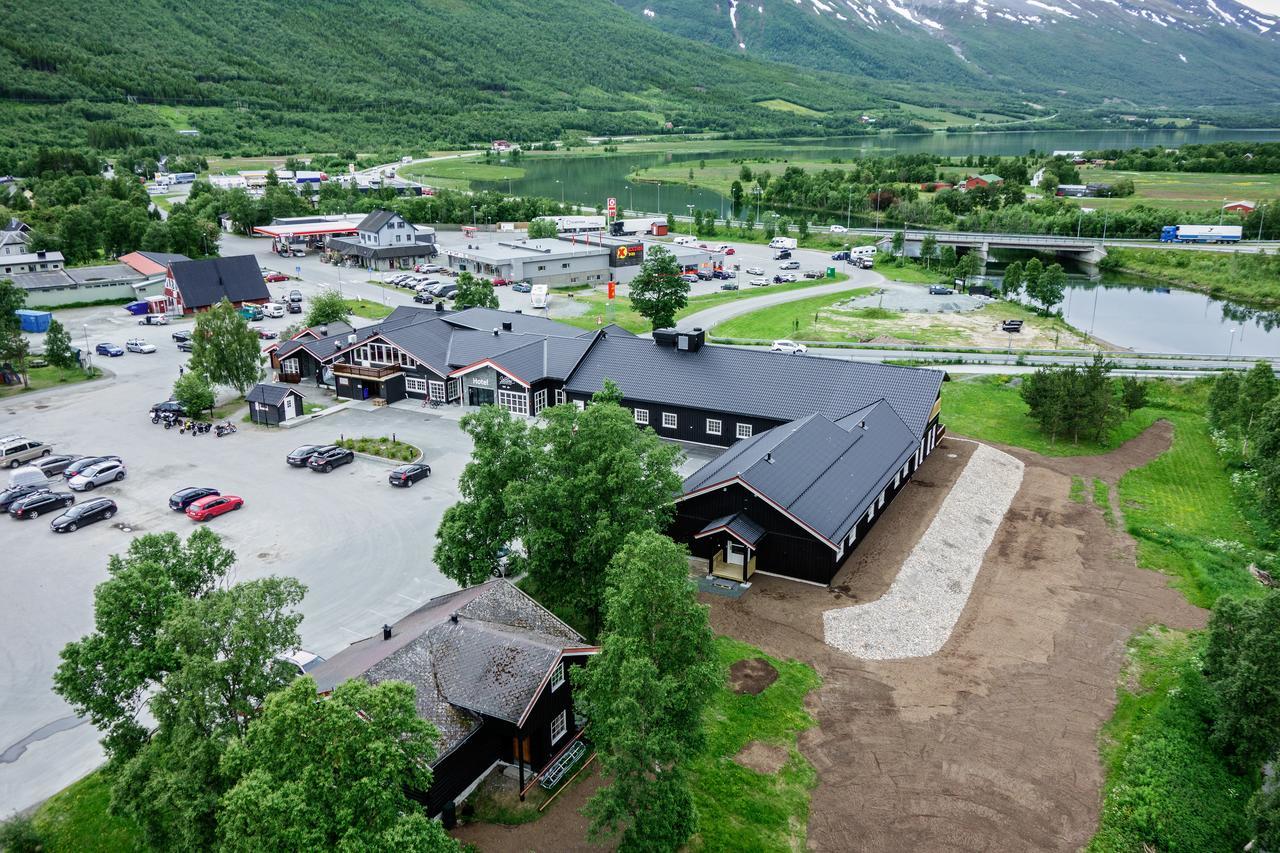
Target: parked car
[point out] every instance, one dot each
(19, 450)
(789, 347)
(838, 229)
(754, 271)
(182, 335)
(16, 493)
(841, 256)
(275, 276)
(295, 307)
(299, 456)
(213, 506)
(782, 255)
(266, 334)
(691, 278)
(448, 291)
(729, 250)
(171, 406)
(85, 462)
(183, 498)
(52, 466)
(758, 282)
(866, 263)
(522, 287)
(722, 275)
(705, 275)
(500, 282)
(302, 660)
(109, 350)
(814, 274)
(38, 359)
(407, 475)
(423, 298)
(326, 458)
(940, 290)
(154, 320)
(784, 277)
(97, 509)
(110, 471)
(295, 295)
(790, 265)
(273, 309)
(729, 285)
(251, 312)
(186, 346)
(139, 345)
(37, 504)
(298, 253)
(28, 474)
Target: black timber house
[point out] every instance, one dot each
(491, 669)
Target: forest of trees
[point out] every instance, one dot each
(1252, 158)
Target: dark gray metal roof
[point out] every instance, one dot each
(491, 661)
(361, 250)
(375, 220)
(742, 526)
(163, 258)
(488, 319)
(753, 382)
(820, 474)
(270, 393)
(204, 283)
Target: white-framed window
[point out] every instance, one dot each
(559, 396)
(581, 405)
(435, 390)
(713, 426)
(668, 420)
(744, 431)
(557, 677)
(414, 385)
(559, 726)
(289, 365)
(455, 389)
(540, 401)
(642, 416)
(516, 402)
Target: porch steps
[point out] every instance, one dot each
(562, 765)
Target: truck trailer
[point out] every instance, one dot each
(782, 243)
(1201, 234)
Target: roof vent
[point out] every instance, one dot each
(453, 617)
(768, 457)
(351, 339)
(506, 325)
(862, 425)
(386, 632)
(495, 331)
(439, 307)
(337, 345)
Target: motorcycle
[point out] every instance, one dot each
(224, 429)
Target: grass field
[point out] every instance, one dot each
(1186, 190)
(742, 809)
(781, 105)
(75, 820)
(48, 377)
(1250, 277)
(368, 310)
(719, 174)
(628, 318)
(460, 172)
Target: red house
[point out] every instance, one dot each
(983, 181)
(1244, 208)
(193, 286)
(934, 186)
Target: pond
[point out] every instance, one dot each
(589, 180)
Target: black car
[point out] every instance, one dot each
(729, 285)
(722, 275)
(79, 515)
(840, 256)
(171, 406)
(182, 335)
(186, 346)
(326, 458)
(424, 298)
(299, 456)
(16, 493)
(85, 462)
(294, 307)
(33, 506)
(183, 498)
(52, 466)
(940, 290)
(407, 475)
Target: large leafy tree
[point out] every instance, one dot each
(542, 228)
(332, 774)
(645, 693)
(1257, 388)
(1048, 287)
(57, 346)
(1242, 666)
(327, 307)
(194, 392)
(658, 291)
(224, 349)
(1224, 399)
(474, 292)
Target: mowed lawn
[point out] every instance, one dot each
(48, 377)
(1188, 190)
(460, 172)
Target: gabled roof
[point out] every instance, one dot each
(487, 650)
(203, 283)
(270, 393)
(739, 525)
(488, 319)
(754, 382)
(819, 474)
(375, 220)
(528, 357)
(151, 263)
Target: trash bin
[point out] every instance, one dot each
(831, 272)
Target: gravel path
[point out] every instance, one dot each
(916, 616)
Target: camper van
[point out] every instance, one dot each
(538, 296)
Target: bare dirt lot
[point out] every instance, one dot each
(992, 743)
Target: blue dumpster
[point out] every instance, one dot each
(34, 321)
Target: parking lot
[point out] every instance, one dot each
(362, 547)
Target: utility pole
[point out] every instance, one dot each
(690, 206)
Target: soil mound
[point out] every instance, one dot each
(752, 675)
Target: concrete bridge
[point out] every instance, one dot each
(1086, 250)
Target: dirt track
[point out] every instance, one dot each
(992, 743)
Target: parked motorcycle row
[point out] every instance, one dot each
(172, 420)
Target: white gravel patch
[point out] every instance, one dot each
(918, 613)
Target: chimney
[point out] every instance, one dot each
(453, 617)
(386, 632)
(495, 331)
(439, 307)
(351, 339)
(768, 457)
(506, 325)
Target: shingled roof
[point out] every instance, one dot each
(203, 283)
(484, 651)
(823, 475)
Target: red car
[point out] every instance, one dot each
(730, 251)
(500, 282)
(206, 508)
(275, 276)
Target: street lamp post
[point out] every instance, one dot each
(1231, 340)
(690, 206)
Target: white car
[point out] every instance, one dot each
(301, 660)
(838, 229)
(789, 347)
(273, 309)
(684, 240)
(755, 270)
(139, 345)
(758, 282)
(111, 471)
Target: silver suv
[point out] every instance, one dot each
(15, 451)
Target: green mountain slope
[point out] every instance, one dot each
(327, 74)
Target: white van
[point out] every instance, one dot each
(538, 296)
(862, 252)
(27, 475)
(684, 240)
(273, 309)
